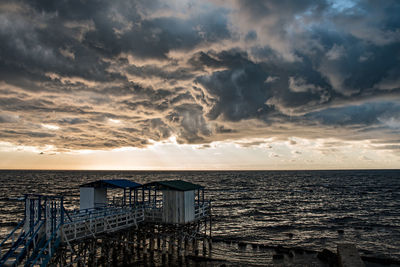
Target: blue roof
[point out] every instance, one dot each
(116, 183)
(175, 185)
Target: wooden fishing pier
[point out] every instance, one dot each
(162, 222)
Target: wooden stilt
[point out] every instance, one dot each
(186, 248)
(171, 245)
(204, 246)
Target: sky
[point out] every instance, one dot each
(200, 85)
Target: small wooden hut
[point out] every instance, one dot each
(180, 200)
(94, 194)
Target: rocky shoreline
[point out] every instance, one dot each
(282, 254)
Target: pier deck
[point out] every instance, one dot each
(49, 232)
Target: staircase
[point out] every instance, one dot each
(35, 239)
(23, 246)
(45, 251)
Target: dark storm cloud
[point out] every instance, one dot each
(12, 133)
(166, 75)
(71, 121)
(122, 26)
(106, 74)
(241, 90)
(248, 90)
(189, 118)
(365, 114)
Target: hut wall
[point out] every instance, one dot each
(172, 210)
(178, 206)
(91, 197)
(100, 197)
(189, 206)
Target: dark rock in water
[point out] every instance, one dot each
(340, 232)
(310, 251)
(280, 249)
(203, 259)
(266, 247)
(242, 245)
(298, 250)
(278, 257)
(290, 235)
(218, 239)
(328, 256)
(255, 246)
(380, 260)
(263, 247)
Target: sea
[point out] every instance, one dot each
(314, 210)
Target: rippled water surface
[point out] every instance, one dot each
(291, 208)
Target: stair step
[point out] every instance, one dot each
(9, 262)
(18, 250)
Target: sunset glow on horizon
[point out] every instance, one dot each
(256, 154)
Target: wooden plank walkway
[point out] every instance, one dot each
(82, 225)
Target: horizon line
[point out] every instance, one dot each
(204, 170)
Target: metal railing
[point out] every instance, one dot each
(202, 210)
(29, 242)
(93, 222)
(51, 248)
(23, 243)
(11, 234)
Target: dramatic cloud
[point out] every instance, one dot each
(111, 74)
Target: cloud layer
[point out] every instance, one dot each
(109, 74)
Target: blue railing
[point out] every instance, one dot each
(14, 246)
(19, 242)
(27, 245)
(52, 248)
(12, 232)
(66, 213)
(94, 214)
(202, 210)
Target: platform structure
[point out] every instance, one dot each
(165, 217)
(175, 202)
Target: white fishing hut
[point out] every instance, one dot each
(182, 202)
(94, 195)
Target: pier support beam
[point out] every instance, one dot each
(209, 246)
(164, 249)
(147, 245)
(204, 246)
(180, 250)
(195, 247)
(171, 245)
(186, 248)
